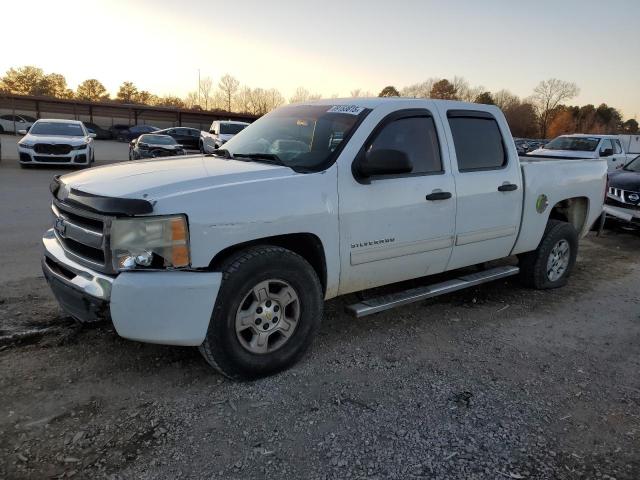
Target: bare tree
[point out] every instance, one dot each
(228, 86)
(359, 93)
(547, 96)
(419, 90)
(191, 100)
(242, 100)
(303, 95)
(205, 87)
(505, 99)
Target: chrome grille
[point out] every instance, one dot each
(624, 196)
(83, 235)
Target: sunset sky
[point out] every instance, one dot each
(332, 47)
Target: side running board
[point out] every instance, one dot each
(386, 302)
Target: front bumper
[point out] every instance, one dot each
(621, 213)
(166, 307)
(75, 157)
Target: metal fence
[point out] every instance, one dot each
(105, 114)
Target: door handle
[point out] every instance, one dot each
(507, 187)
(438, 196)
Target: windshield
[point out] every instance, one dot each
(633, 165)
(301, 136)
(231, 128)
(582, 144)
(57, 128)
(157, 139)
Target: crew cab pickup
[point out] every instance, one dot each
(583, 147)
(220, 132)
(235, 252)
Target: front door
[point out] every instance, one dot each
(397, 227)
(488, 183)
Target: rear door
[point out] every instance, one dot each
(397, 227)
(488, 184)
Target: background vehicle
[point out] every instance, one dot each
(631, 144)
(187, 137)
(235, 253)
(623, 195)
(154, 145)
(14, 123)
(135, 132)
(56, 142)
(101, 133)
(220, 132)
(581, 146)
(116, 129)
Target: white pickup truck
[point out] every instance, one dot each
(235, 253)
(582, 147)
(220, 132)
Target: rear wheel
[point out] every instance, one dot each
(550, 265)
(267, 312)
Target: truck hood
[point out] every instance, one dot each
(625, 180)
(160, 178)
(564, 153)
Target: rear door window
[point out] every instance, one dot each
(478, 142)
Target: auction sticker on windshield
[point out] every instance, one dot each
(350, 109)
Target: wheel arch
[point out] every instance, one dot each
(307, 245)
(574, 210)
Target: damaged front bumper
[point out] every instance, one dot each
(167, 307)
(626, 214)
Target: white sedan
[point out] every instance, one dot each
(15, 123)
(56, 142)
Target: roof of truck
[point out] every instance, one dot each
(373, 102)
(590, 135)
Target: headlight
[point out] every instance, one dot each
(150, 242)
(25, 145)
(80, 147)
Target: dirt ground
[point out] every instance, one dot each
(494, 382)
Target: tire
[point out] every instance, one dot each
(538, 270)
(227, 349)
(201, 147)
(1, 129)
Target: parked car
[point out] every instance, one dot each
(14, 123)
(56, 142)
(581, 146)
(135, 132)
(623, 194)
(187, 137)
(116, 129)
(220, 132)
(101, 133)
(154, 145)
(235, 253)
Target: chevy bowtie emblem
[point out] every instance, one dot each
(60, 227)
(267, 315)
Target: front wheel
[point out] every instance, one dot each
(550, 265)
(267, 312)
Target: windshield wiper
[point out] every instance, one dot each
(261, 157)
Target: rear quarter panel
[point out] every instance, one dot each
(558, 180)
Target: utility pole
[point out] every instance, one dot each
(198, 86)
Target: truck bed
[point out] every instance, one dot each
(557, 179)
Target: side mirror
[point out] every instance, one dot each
(92, 135)
(384, 162)
(606, 152)
(22, 132)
